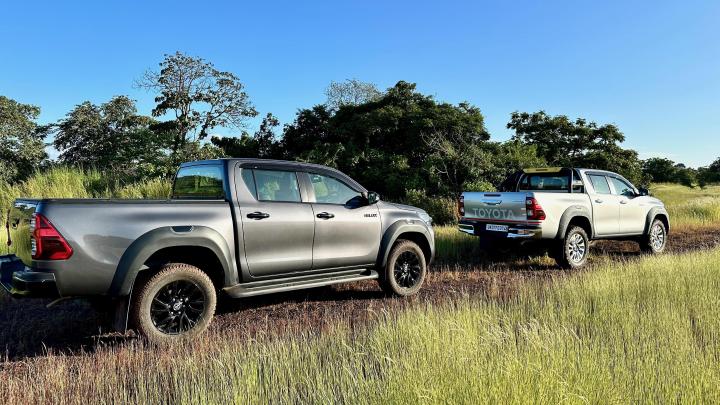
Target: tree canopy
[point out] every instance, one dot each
(21, 140)
(382, 142)
(579, 143)
(200, 98)
(350, 92)
(111, 136)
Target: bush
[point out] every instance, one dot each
(443, 210)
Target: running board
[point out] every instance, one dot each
(248, 290)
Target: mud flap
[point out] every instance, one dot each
(121, 313)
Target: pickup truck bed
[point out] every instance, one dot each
(102, 231)
(509, 211)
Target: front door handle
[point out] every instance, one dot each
(599, 201)
(258, 215)
(325, 215)
(623, 201)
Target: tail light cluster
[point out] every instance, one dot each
(461, 206)
(46, 241)
(534, 210)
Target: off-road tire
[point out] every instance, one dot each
(655, 240)
(173, 275)
(573, 250)
(405, 270)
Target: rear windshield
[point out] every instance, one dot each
(545, 182)
(201, 182)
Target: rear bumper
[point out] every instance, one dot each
(21, 281)
(515, 231)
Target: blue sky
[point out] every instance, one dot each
(652, 68)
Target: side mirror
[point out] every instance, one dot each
(643, 191)
(372, 197)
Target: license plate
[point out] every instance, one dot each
(496, 228)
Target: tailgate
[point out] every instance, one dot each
(495, 207)
(16, 232)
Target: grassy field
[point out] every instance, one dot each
(629, 329)
(642, 331)
(690, 206)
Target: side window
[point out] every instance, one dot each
(622, 188)
(249, 180)
(202, 181)
(275, 185)
(600, 184)
(329, 190)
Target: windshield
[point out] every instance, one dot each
(201, 182)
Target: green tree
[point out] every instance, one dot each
(263, 144)
(22, 149)
(709, 174)
(111, 137)
(200, 98)
(687, 176)
(382, 143)
(563, 142)
(660, 170)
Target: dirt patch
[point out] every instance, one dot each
(28, 329)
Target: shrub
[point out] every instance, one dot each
(443, 210)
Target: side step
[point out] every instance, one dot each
(252, 289)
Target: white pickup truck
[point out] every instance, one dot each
(566, 208)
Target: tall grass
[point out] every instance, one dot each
(63, 182)
(690, 206)
(644, 331)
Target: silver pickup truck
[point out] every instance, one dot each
(566, 208)
(240, 227)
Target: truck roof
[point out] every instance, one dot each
(282, 163)
(559, 169)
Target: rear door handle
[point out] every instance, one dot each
(325, 215)
(258, 215)
(599, 201)
(623, 201)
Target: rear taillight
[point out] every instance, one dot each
(461, 206)
(46, 241)
(534, 210)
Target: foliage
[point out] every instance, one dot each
(350, 92)
(443, 210)
(662, 170)
(263, 144)
(710, 174)
(112, 138)
(380, 142)
(21, 140)
(579, 143)
(199, 96)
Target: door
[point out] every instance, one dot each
(347, 229)
(277, 226)
(606, 206)
(632, 211)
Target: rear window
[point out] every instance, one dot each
(203, 182)
(545, 182)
